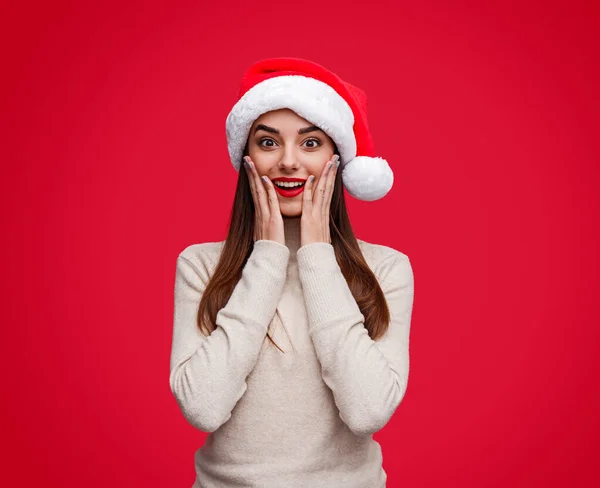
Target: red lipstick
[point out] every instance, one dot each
(289, 192)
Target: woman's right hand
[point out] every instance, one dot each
(268, 221)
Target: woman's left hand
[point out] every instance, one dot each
(315, 205)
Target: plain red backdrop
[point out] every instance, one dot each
(114, 159)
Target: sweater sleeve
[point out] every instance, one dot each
(368, 378)
(208, 373)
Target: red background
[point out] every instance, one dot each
(114, 159)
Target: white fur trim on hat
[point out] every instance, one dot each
(367, 178)
(310, 98)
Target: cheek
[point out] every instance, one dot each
(262, 160)
(259, 161)
(316, 166)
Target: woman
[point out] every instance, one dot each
(290, 340)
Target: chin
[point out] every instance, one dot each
(291, 210)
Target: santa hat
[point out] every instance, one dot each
(325, 100)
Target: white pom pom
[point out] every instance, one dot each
(367, 178)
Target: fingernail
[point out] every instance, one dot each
(336, 158)
(265, 179)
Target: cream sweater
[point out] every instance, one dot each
(303, 419)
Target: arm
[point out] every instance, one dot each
(368, 378)
(208, 374)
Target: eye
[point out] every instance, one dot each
(316, 142)
(266, 139)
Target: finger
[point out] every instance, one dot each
(331, 179)
(272, 199)
(257, 213)
(307, 194)
(250, 180)
(319, 191)
(260, 195)
(255, 199)
(329, 189)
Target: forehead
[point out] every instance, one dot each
(281, 117)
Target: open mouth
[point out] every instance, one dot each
(290, 190)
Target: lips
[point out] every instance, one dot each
(289, 192)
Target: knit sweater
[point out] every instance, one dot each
(303, 418)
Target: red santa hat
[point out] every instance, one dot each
(325, 100)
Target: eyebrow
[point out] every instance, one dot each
(304, 130)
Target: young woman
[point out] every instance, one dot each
(291, 337)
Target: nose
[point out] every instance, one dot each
(289, 159)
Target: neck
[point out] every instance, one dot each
(291, 227)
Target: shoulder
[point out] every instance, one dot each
(384, 260)
(378, 254)
(202, 256)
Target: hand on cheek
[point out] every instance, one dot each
(316, 202)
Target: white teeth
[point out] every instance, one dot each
(283, 184)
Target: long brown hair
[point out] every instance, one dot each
(240, 242)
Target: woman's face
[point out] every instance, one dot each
(283, 144)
